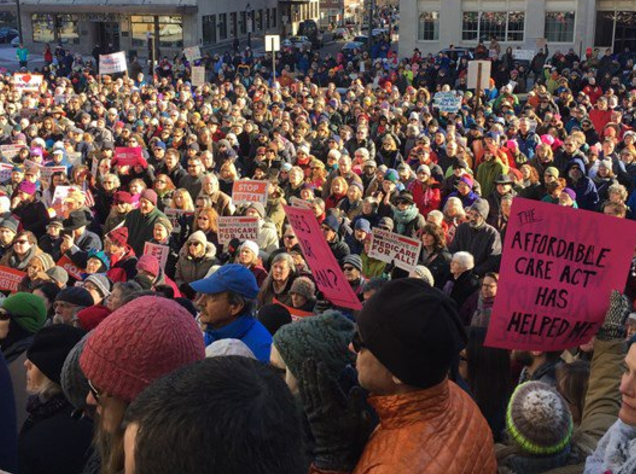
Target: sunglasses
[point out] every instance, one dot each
(357, 342)
(194, 244)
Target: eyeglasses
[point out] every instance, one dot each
(194, 244)
(357, 342)
(96, 393)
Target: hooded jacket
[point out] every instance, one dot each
(586, 193)
(191, 269)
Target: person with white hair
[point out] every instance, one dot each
(463, 281)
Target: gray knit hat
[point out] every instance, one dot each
(538, 419)
(45, 260)
(74, 383)
(354, 260)
(423, 273)
(482, 207)
(325, 338)
(303, 286)
(102, 283)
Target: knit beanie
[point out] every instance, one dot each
(274, 316)
(423, 273)
(414, 330)
(570, 192)
(76, 295)
(552, 170)
(165, 223)
(27, 310)
(118, 236)
(149, 195)
(101, 256)
(303, 286)
(45, 260)
(354, 260)
(198, 236)
(58, 275)
(101, 281)
(228, 347)
(140, 342)
(538, 419)
(482, 207)
(251, 246)
(50, 347)
(258, 207)
(325, 337)
(73, 380)
(149, 264)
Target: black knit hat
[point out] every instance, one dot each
(273, 317)
(50, 347)
(76, 295)
(413, 330)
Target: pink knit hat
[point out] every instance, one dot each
(139, 343)
(148, 263)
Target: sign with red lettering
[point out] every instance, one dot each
(324, 267)
(160, 252)
(558, 270)
(237, 227)
(71, 267)
(394, 248)
(10, 278)
(127, 156)
(246, 191)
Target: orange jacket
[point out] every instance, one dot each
(434, 431)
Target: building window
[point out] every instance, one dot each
(274, 17)
(482, 26)
(243, 23)
(267, 18)
(259, 20)
(233, 25)
(67, 29)
(223, 26)
(428, 29)
(140, 26)
(209, 29)
(559, 27)
(170, 32)
(43, 28)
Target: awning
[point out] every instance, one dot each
(86, 8)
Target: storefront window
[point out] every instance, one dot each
(140, 26)
(170, 32)
(67, 29)
(223, 26)
(43, 28)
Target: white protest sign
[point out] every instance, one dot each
(10, 151)
(26, 82)
(237, 227)
(57, 203)
(272, 43)
(5, 171)
(198, 76)
(160, 252)
(447, 102)
(247, 191)
(523, 54)
(192, 53)
(394, 248)
(112, 63)
(473, 73)
(301, 203)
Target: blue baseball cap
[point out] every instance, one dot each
(235, 278)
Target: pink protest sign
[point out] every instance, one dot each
(324, 267)
(127, 156)
(558, 269)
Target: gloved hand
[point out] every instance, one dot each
(339, 423)
(614, 324)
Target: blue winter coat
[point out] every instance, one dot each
(586, 193)
(248, 330)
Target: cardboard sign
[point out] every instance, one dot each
(558, 269)
(192, 53)
(10, 278)
(447, 102)
(198, 76)
(71, 267)
(324, 267)
(301, 203)
(5, 171)
(112, 63)
(247, 191)
(394, 248)
(10, 151)
(160, 252)
(127, 156)
(473, 73)
(27, 82)
(237, 227)
(523, 54)
(272, 43)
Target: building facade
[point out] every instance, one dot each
(131, 26)
(432, 25)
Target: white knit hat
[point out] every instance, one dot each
(250, 245)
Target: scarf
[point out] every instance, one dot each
(481, 316)
(39, 408)
(615, 453)
(402, 218)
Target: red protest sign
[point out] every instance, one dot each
(323, 264)
(160, 252)
(558, 269)
(394, 248)
(10, 279)
(236, 227)
(246, 191)
(71, 268)
(127, 156)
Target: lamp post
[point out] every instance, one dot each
(19, 15)
(248, 10)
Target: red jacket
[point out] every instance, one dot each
(426, 200)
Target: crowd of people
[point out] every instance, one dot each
(225, 356)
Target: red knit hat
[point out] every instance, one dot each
(119, 236)
(139, 343)
(149, 264)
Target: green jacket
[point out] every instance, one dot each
(140, 228)
(487, 173)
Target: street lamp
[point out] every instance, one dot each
(248, 10)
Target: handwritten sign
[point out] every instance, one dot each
(10, 279)
(112, 63)
(558, 269)
(5, 171)
(447, 102)
(198, 76)
(237, 227)
(160, 252)
(474, 69)
(523, 54)
(127, 156)
(71, 267)
(394, 248)
(10, 151)
(324, 267)
(247, 191)
(26, 82)
(192, 53)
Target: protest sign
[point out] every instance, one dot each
(10, 278)
(479, 70)
(57, 203)
(160, 252)
(10, 151)
(394, 248)
(127, 156)
(198, 76)
(297, 202)
(173, 215)
(112, 63)
(324, 267)
(447, 102)
(247, 191)
(558, 269)
(237, 227)
(192, 53)
(71, 267)
(296, 314)
(27, 82)
(523, 54)
(5, 171)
